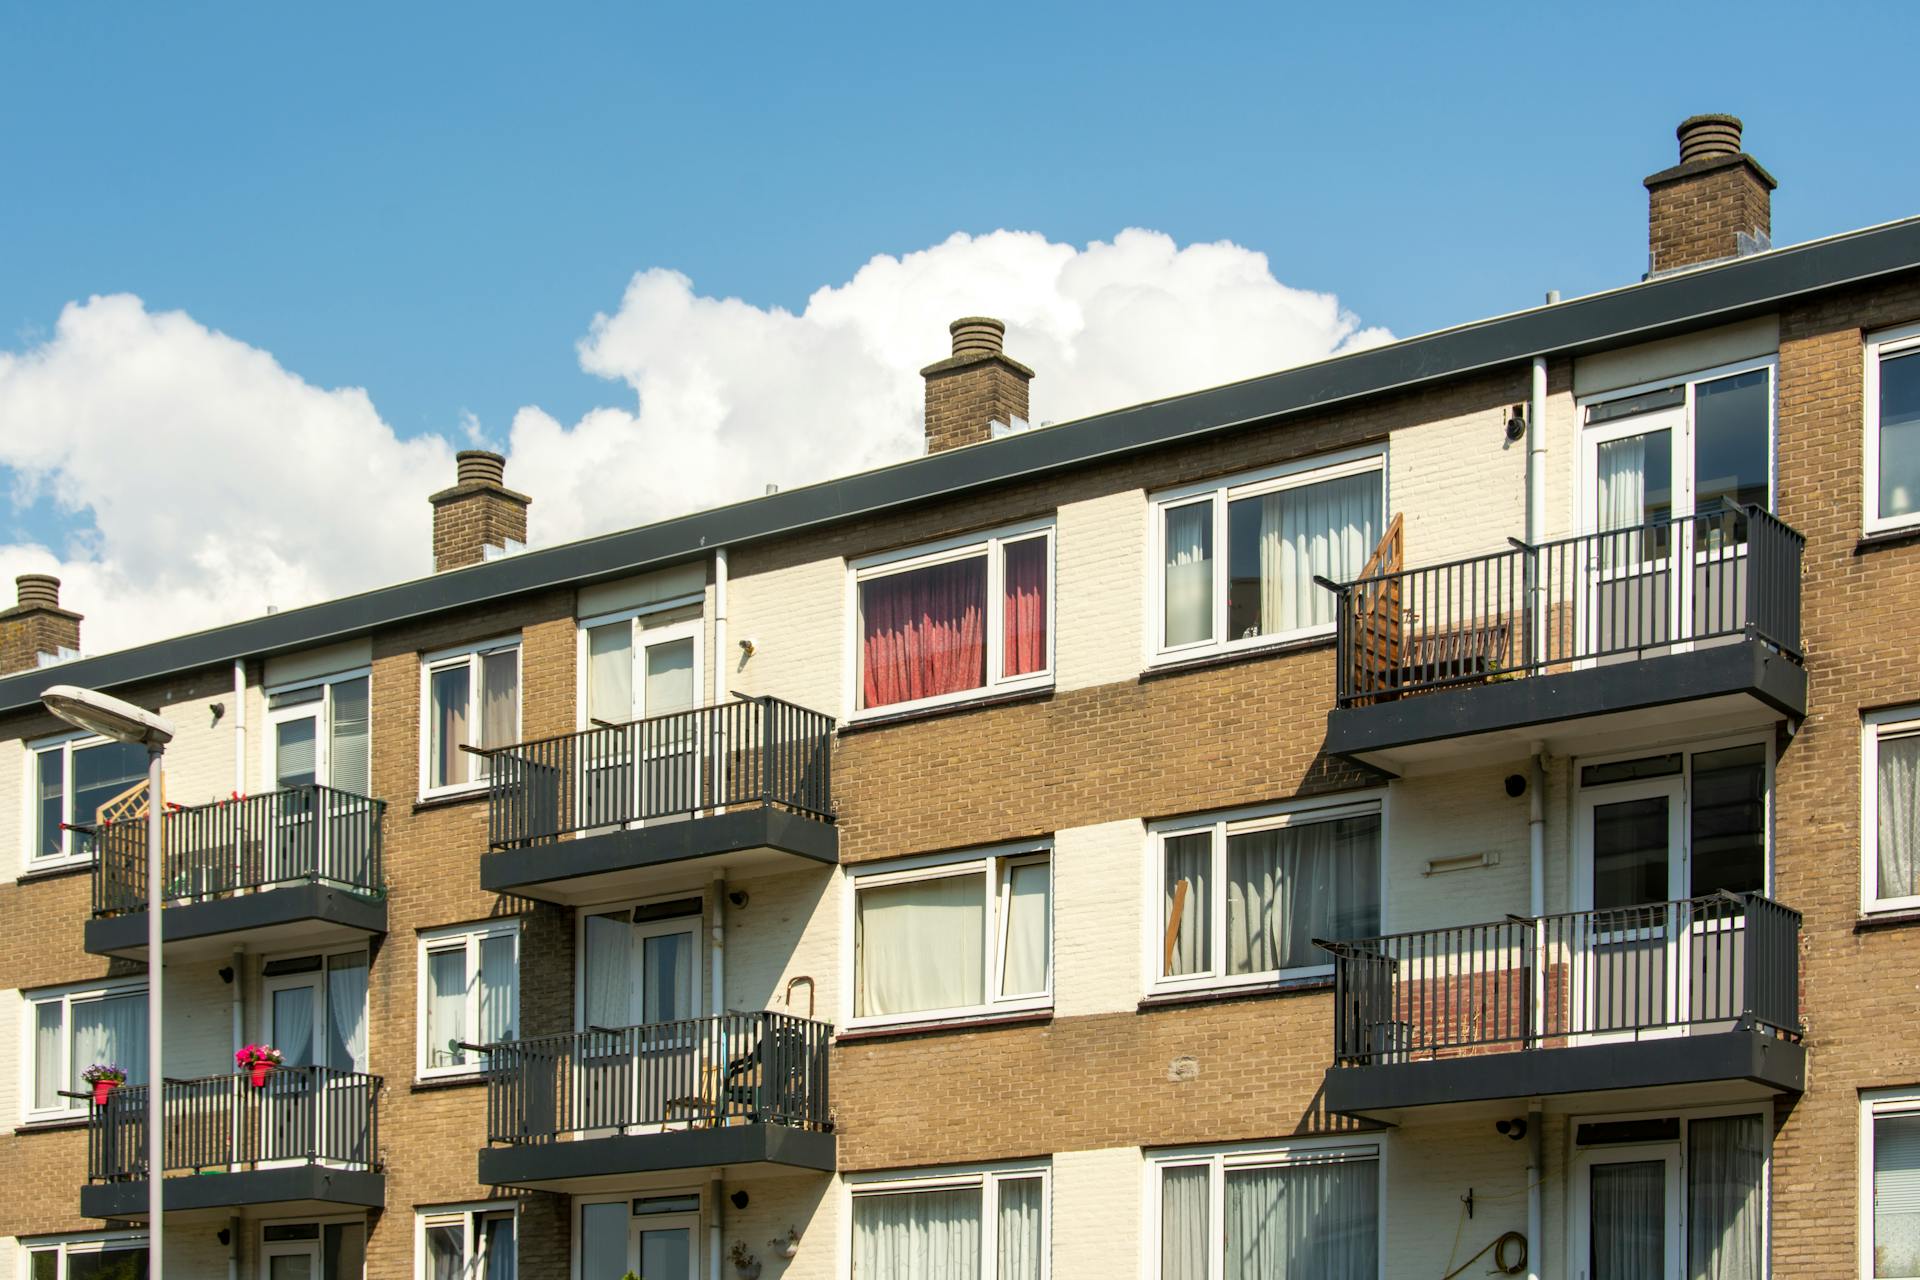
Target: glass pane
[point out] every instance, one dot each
(48, 839)
(603, 1241)
(1289, 885)
(108, 1264)
(1186, 919)
(449, 692)
(1630, 853)
(446, 1252)
(923, 632)
(1189, 574)
(499, 989)
(1018, 1229)
(347, 1012)
(349, 766)
(919, 946)
(1897, 795)
(1024, 608)
(294, 760)
(1183, 1224)
(292, 1266)
(499, 700)
(1726, 1157)
(667, 990)
(292, 1029)
(49, 1033)
(343, 1254)
(669, 677)
(111, 1031)
(1729, 803)
(446, 1007)
(1277, 543)
(609, 976)
(102, 772)
(922, 1235)
(1730, 445)
(1024, 967)
(610, 672)
(1319, 1220)
(1896, 1195)
(1627, 1217)
(46, 1265)
(496, 1232)
(1900, 435)
(667, 1254)
(1635, 488)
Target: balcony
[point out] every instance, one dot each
(743, 788)
(305, 1141)
(567, 1112)
(1589, 643)
(1671, 995)
(294, 867)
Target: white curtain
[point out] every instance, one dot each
(1018, 1229)
(450, 691)
(49, 1035)
(603, 1240)
(1183, 1224)
(446, 1006)
(1189, 573)
(499, 989)
(1627, 1219)
(499, 698)
(1189, 861)
(1727, 1157)
(923, 1235)
(347, 1012)
(293, 1018)
(1897, 790)
(1622, 466)
(920, 946)
(1304, 1222)
(348, 764)
(1028, 911)
(667, 974)
(114, 1031)
(609, 1000)
(1289, 885)
(1896, 1195)
(610, 673)
(1328, 529)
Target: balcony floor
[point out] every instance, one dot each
(593, 1164)
(295, 1191)
(291, 915)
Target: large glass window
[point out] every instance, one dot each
(1892, 1229)
(955, 938)
(469, 994)
(1890, 814)
(321, 734)
(469, 1243)
(75, 1030)
(1307, 1213)
(1279, 531)
(96, 1259)
(1242, 899)
(942, 624)
(472, 700)
(72, 780)
(1893, 430)
(985, 1226)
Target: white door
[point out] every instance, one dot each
(319, 738)
(662, 1247)
(640, 993)
(1626, 1212)
(1635, 478)
(641, 754)
(290, 1097)
(299, 762)
(290, 1260)
(1627, 974)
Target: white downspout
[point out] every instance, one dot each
(1537, 497)
(1537, 907)
(720, 681)
(716, 1229)
(1537, 829)
(240, 726)
(1536, 1174)
(716, 1224)
(719, 944)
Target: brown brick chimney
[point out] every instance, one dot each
(1716, 203)
(975, 386)
(478, 512)
(36, 624)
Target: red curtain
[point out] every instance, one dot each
(923, 632)
(1026, 607)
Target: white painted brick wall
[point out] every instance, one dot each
(1430, 1167)
(789, 928)
(1100, 578)
(1448, 815)
(1096, 918)
(796, 617)
(1460, 486)
(814, 1206)
(1097, 1224)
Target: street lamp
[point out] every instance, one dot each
(123, 722)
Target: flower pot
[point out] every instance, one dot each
(102, 1089)
(260, 1071)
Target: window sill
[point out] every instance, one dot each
(54, 871)
(52, 1126)
(981, 703)
(1886, 538)
(984, 1022)
(448, 799)
(435, 1084)
(1207, 662)
(1217, 995)
(1887, 920)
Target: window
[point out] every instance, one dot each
(467, 1243)
(1306, 1210)
(319, 734)
(1667, 1195)
(334, 1250)
(71, 1031)
(116, 1257)
(71, 779)
(1239, 899)
(1235, 561)
(953, 938)
(1890, 1184)
(1893, 430)
(989, 1225)
(470, 699)
(1890, 810)
(469, 994)
(940, 624)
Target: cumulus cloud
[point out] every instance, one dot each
(274, 491)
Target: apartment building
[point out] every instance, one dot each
(1446, 810)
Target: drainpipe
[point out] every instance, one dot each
(716, 1229)
(1537, 497)
(1537, 829)
(719, 944)
(719, 626)
(233, 1249)
(239, 1000)
(240, 725)
(1536, 1174)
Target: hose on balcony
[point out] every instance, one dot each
(1499, 1248)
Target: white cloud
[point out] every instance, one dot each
(273, 491)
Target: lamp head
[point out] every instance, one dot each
(107, 716)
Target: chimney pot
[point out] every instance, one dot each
(37, 591)
(478, 512)
(976, 386)
(480, 466)
(978, 336)
(36, 628)
(1716, 204)
(1706, 137)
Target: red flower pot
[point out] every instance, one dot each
(101, 1090)
(260, 1072)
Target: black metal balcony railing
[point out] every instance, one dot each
(1711, 963)
(753, 751)
(226, 1124)
(299, 835)
(1725, 573)
(736, 1068)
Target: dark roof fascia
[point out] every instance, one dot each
(1643, 312)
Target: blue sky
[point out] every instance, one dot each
(432, 202)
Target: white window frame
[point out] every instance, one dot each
(990, 544)
(1251, 484)
(69, 856)
(323, 736)
(1899, 341)
(468, 1216)
(446, 659)
(991, 866)
(1218, 1160)
(64, 1247)
(1876, 726)
(66, 998)
(446, 939)
(662, 632)
(1347, 804)
(696, 1218)
(259, 1233)
(987, 1179)
(694, 922)
(1875, 1103)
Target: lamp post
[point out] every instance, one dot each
(123, 722)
